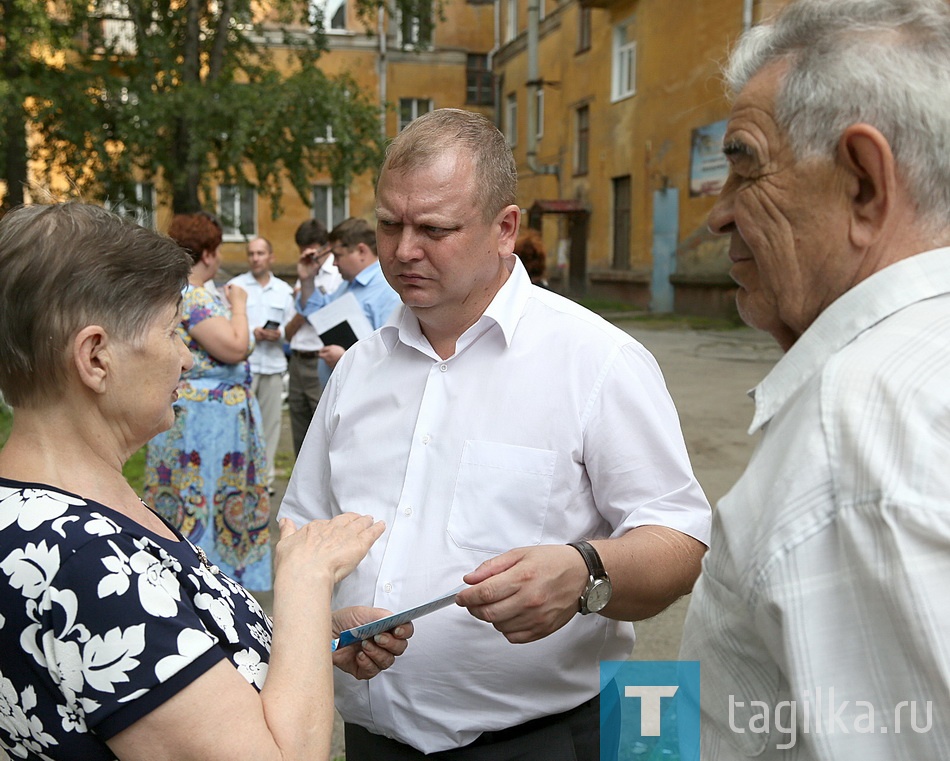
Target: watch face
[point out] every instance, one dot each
(598, 595)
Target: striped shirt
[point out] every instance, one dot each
(822, 616)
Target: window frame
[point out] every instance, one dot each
(244, 197)
(511, 20)
(328, 20)
(584, 23)
(401, 124)
(623, 68)
(582, 140)
(479, 81)
(144, 213)
(333, 213)
(409, 31)
(511, 118)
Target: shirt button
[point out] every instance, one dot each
(443, 368)
(407, 511)
(387, 587)
(426, 439)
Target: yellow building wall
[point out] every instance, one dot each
(647, 136)
(438, 74)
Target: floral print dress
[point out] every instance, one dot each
(207, 475)
(102, 620)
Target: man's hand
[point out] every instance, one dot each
(263, 334)
(308, 265)
(331, 355)
(366, 659)
(526, 593)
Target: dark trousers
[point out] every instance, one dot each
(303, 395)
(570, 736)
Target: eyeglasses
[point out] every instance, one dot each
(319, 254)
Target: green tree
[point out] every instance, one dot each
(179, 92)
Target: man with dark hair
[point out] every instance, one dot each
(316, 274)
(821, 618)
(353, 244)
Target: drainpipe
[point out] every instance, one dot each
(747, 14)
(381, 33)
(534, 82)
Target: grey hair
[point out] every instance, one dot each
(69, 265)
(880, 62)
(438, 132)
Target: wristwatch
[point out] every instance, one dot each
(597, 593)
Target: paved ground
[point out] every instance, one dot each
(708, 373)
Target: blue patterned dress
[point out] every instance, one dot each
(207, 474)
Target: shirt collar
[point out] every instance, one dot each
(366, 275)
(505, 310)
(884, 293)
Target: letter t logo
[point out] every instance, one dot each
(650, 704)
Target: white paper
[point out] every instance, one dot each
(344, 309)
(380, 625)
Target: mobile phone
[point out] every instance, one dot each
(271, 325)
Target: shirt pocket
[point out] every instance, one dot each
(501, 496)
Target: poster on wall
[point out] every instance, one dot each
(708, 167)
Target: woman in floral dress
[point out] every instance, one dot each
(207, 475)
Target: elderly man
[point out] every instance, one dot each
(821, 615)
(498, 427)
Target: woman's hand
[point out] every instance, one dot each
(366, 659)
(236, 296)
(332, 548)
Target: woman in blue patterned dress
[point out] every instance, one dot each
(118, 637)
(207, 475)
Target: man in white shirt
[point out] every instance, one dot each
(491, 423)
(315, 270)
(269, 307)
(821, 619)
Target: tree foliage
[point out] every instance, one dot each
(183, 93)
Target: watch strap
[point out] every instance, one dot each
(595, 566)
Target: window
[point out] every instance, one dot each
(541, 10)
(118, 30)
(141, 206)
(582, 135)
(410, 108)
(511, 22)
(511, 119)
(624, 75)
(328, 14)
(415, 29)
(622, 210)
(237, 211)
(330, 205)
(539, 105)
(478, 81)
(583, 29)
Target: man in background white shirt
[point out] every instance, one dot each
(491, 423)
(269, 307)
(821, 617)
(316, 269)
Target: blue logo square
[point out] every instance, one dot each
(649, 711)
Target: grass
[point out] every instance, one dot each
(134, 470)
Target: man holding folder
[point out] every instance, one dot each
(353, 245)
